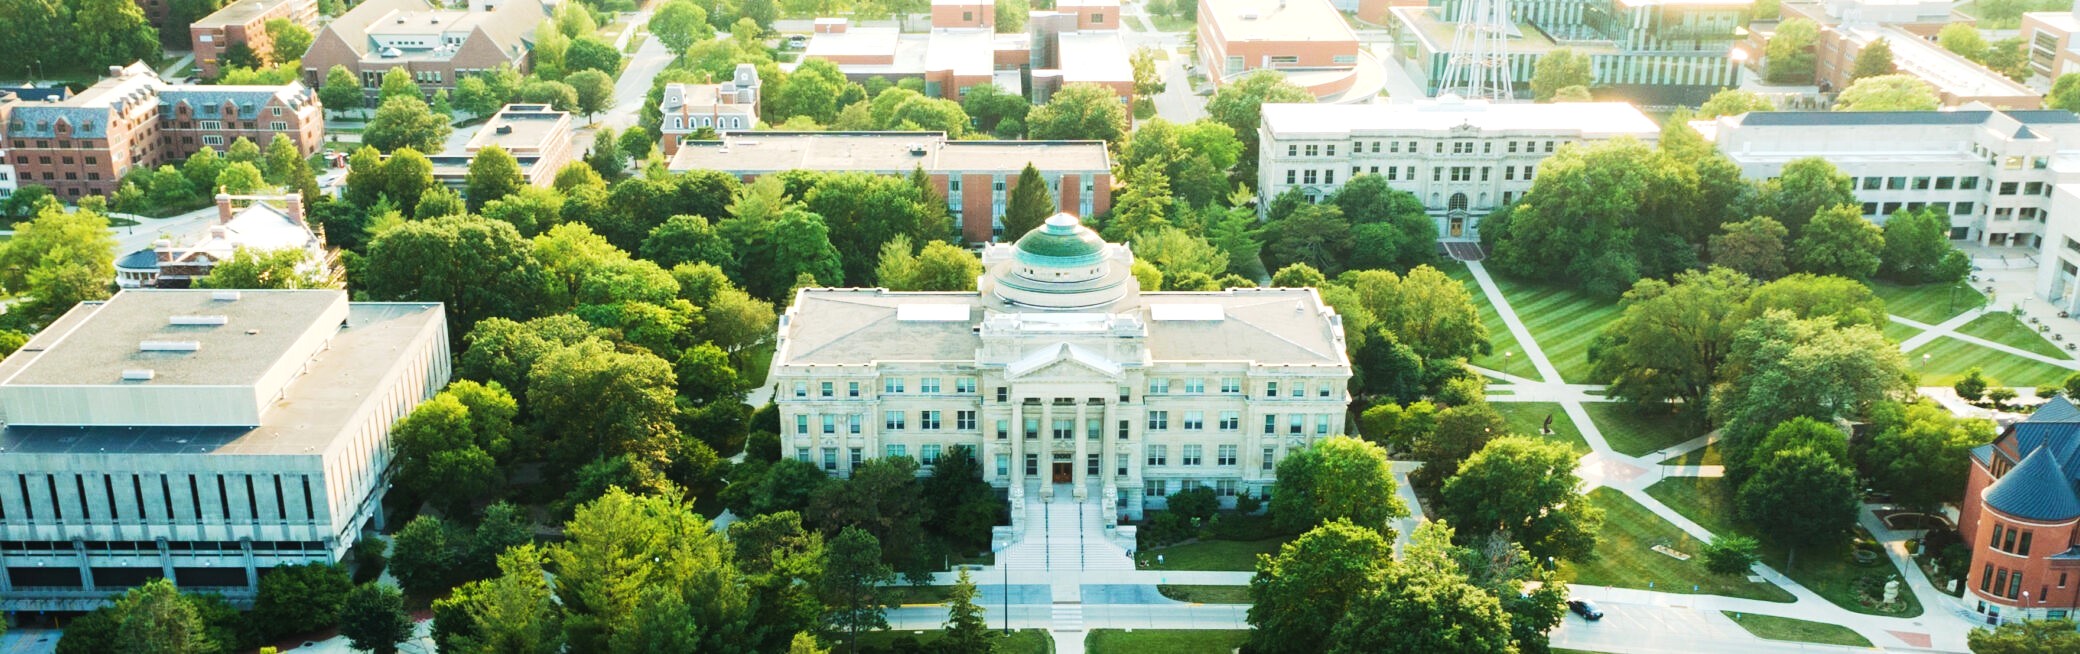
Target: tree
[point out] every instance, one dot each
(110, 33)
(1239, 105)
(1011, 16)
(1668, 344)
(480, 268)
(157, 618)
(1029, 205)
(514, 611)
(493, 175)
(1424, 610)
(556, 94)
(2065, 93)
(884, 498)
(687, 239)
(1875, 59)
(1645, 199)
(288, 268)
(1148, 80)
(813, 90)
(451, 448)
(1733, 102)
(1963, 39)
(422, 558)
(1922, 461)
(605, 156)
(1525, 487)
(966, 631)
(1730, 555)
(340, 90)
(295, 599)
(1847, 301)
(1972, 387)
(591, 53)
(373, 618)
(1559, 69)
(1801, 497)
(1144, 207)
(1754, 247)
(1895, 92)
(679, 24)
(1390, 227)
(1176, 252)
(864, 211)
(595, 91)
(1789, 54)
(1839, 242)
(852, 582)
(1784, 367)
(406, 122)
(637, 570)
(1079, 112)
(2025, 637)
(1299, 595)
(988, 105)
(398, 83)
(1459, 432)
(1918, 250)
(1339, 478)
(290, 39)
(597, 400)
(57, 240)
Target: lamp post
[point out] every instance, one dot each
(1924, 361)
(999, 552)
(1507, 356)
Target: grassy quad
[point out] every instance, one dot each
(1022, 641)
(1703, 456)
(1796, 630)
(1625, 557)
(1562, 320)
(1637, 433)
(1525, 418)
(1947, 360)
(1221, 555)
(1500, 340)
(1928, 303)
(1139, 641)
(1828, 570)
(2006, 329)
(1206, 594)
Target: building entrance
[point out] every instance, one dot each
(1064, 472)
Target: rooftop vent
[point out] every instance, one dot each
(505, 129)
(168, 346)
(138, 374)
(224, 296)
(197, 320)
(917, 149)
(1249, 15)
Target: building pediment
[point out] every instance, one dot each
(1062, 360)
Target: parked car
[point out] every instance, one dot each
(1585, 609)
(797, 41)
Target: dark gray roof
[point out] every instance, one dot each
(248, 99)
(144, 259)
(2037, 489)
(17, 439)
(2043, 116)
(1827, 118)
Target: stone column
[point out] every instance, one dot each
(166, 561)
(1079, 469)
(245, 548)
(1109, 438)
(1046, 449)
(1018, 448)
(86, 568)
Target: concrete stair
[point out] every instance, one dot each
(1064, 535)
(1067, 617)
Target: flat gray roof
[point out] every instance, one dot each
(238, 13)
(258, 329)
(882, 152)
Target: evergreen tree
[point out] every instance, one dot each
(605, 157)
(1029, 205)
(967, 631)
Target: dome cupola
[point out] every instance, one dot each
(1062, 265)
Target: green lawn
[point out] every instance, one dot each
(1625, 557)
(1949, 358)
(758, 359)
(1828, 571)
(1929, 303)
(1171, 23)
(1798, 631)
(1500, 341)
(1638, 433)
(919, 595)
(1164, 641)
(1703, 456)
(1525, 418)
(2006, 329)
(1229, 555)
(1023, 641)
(1207, 594)
(1563, 320)
(1898, 332)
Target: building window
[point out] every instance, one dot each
(1003, 394)
(1003, 429)
(1032, 427)
(931, 454)
(1231, 421)
(830, 459)
(1195, 385)
(1271, 389)
(1032, 464)
(801, 424)
(1159, 420)
(1158, 455)
(1270, 459)
(1155, 488)
(800, 454)
(964, 385)
(1292, 176)
(1194, 455)
(1322, 390)
(2008, 188)
(928, 385)
(801, 389)
(1121, 464)
(1871, 183)
(1225, 455)
(1299, 389)
(1194, 420)
(892, 420)
(964, 420)
(212, 139)
(827, 389)
(895, 450)
(830, 424)
(928, 420)
(852, 423)
(1321, 424)
(851, 389)
(1968, 183)
(1295, 423)
(1231, 385)
(1003, 465)
(1063, 428)
(1309, 176)
(892, 385)
(1125, 427)
(1270, 424)
(1158, 386)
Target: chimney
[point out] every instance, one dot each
(223, 207)
(295, 206)
(164, 249)
(219, 232)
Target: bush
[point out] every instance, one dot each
(1730, 555)
(1239, 526)
(1248, 504)
(1161, 528)
(1973, 387)
(1195, 505)
(2000, 396)
(369, 559)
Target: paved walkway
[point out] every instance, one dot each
(1949, 328)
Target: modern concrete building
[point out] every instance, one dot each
(243, 222)
(538, 137)
(975, 176)
(84, 144)
(245, 21)
(1075, 43)
(1306, 40)
(1462, 158)
(1992, 171)
(1063, 377)
(1957, 80)
(1648, 48)
(201, 436)
(2052, 50)
(2021, 517)
(438, 45)
(718, 108)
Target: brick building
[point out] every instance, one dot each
(1306, 40)
(2021, 517)
(1077, 42)
(439, 46)
(83, 145)
(975, 176)
(245, 21)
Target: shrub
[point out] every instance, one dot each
(1195, 504)
(1730, 555)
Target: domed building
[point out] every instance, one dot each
(1068, 382)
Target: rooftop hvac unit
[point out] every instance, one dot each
(224, 296)
(197, 320)
(168, 346)
(138, 374)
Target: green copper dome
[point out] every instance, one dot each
(1063, 241)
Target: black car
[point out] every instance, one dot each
(1585, 609)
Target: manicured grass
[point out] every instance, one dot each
(1171, 23)
(1632, 431)
(1525, 418)
(1949, 358)
(1145, 641)
(1703, 456)
(1827, 570)
(1500, 341)
(1562, 320)
(758, 359)
(1898, 332)
(1207, 594)
(1796, 630)
(1929, 303)
(918, 595)
(1023, 641)
(1230, 555)
(1625, 557)
(2006, 329)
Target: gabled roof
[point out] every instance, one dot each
(1047, 356)
(352, 27)
(2037, 489)
(2057, 409)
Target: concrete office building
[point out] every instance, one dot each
(201, 436)
(1463, 159)
(2052, 50)
(538, 137)
(1064, 377)
(975, 177)
(1642, 44)
(1991, 171)
(245, 22)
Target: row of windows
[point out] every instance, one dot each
(965, 420)
(2005, 539)
(129, 499)
(1919, 183)
(1395, 147)
(966, 386)
(1191, 455)
(1161, 487)
(1437, 174)
(1946, 208)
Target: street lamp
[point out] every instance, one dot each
(1506, 356)
(1001, 565)
(1924, 361)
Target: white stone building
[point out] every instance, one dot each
(1463, 159)
(201, 436)
(1993, 171)
(1064, 377)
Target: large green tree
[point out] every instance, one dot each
(1801, 498)
(477, 267)
(1029, 205)
(493, 175)
(1338, 478)
(1671, 338)
(1079, 112)
(453, 449)
(1525, 487)
(1558, 69)
(1918, 250)
(406, 122)
(1784, 367)
(1802, 189)
(1602, 217)
(592, 399)
(1893, 92)
(1424, 610)
(2025, 637)
(1239, 105)
(300, 598)
(1788, 57)
(156, 618)
(1755, 247)
(373, 618)
(1839, 242)
(106, 33)
(852, 582)
(1922, 459)
(966, 631)
(1298, 596)
(1873, 60)
(629, 559)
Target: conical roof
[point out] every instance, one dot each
(2037, 489)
